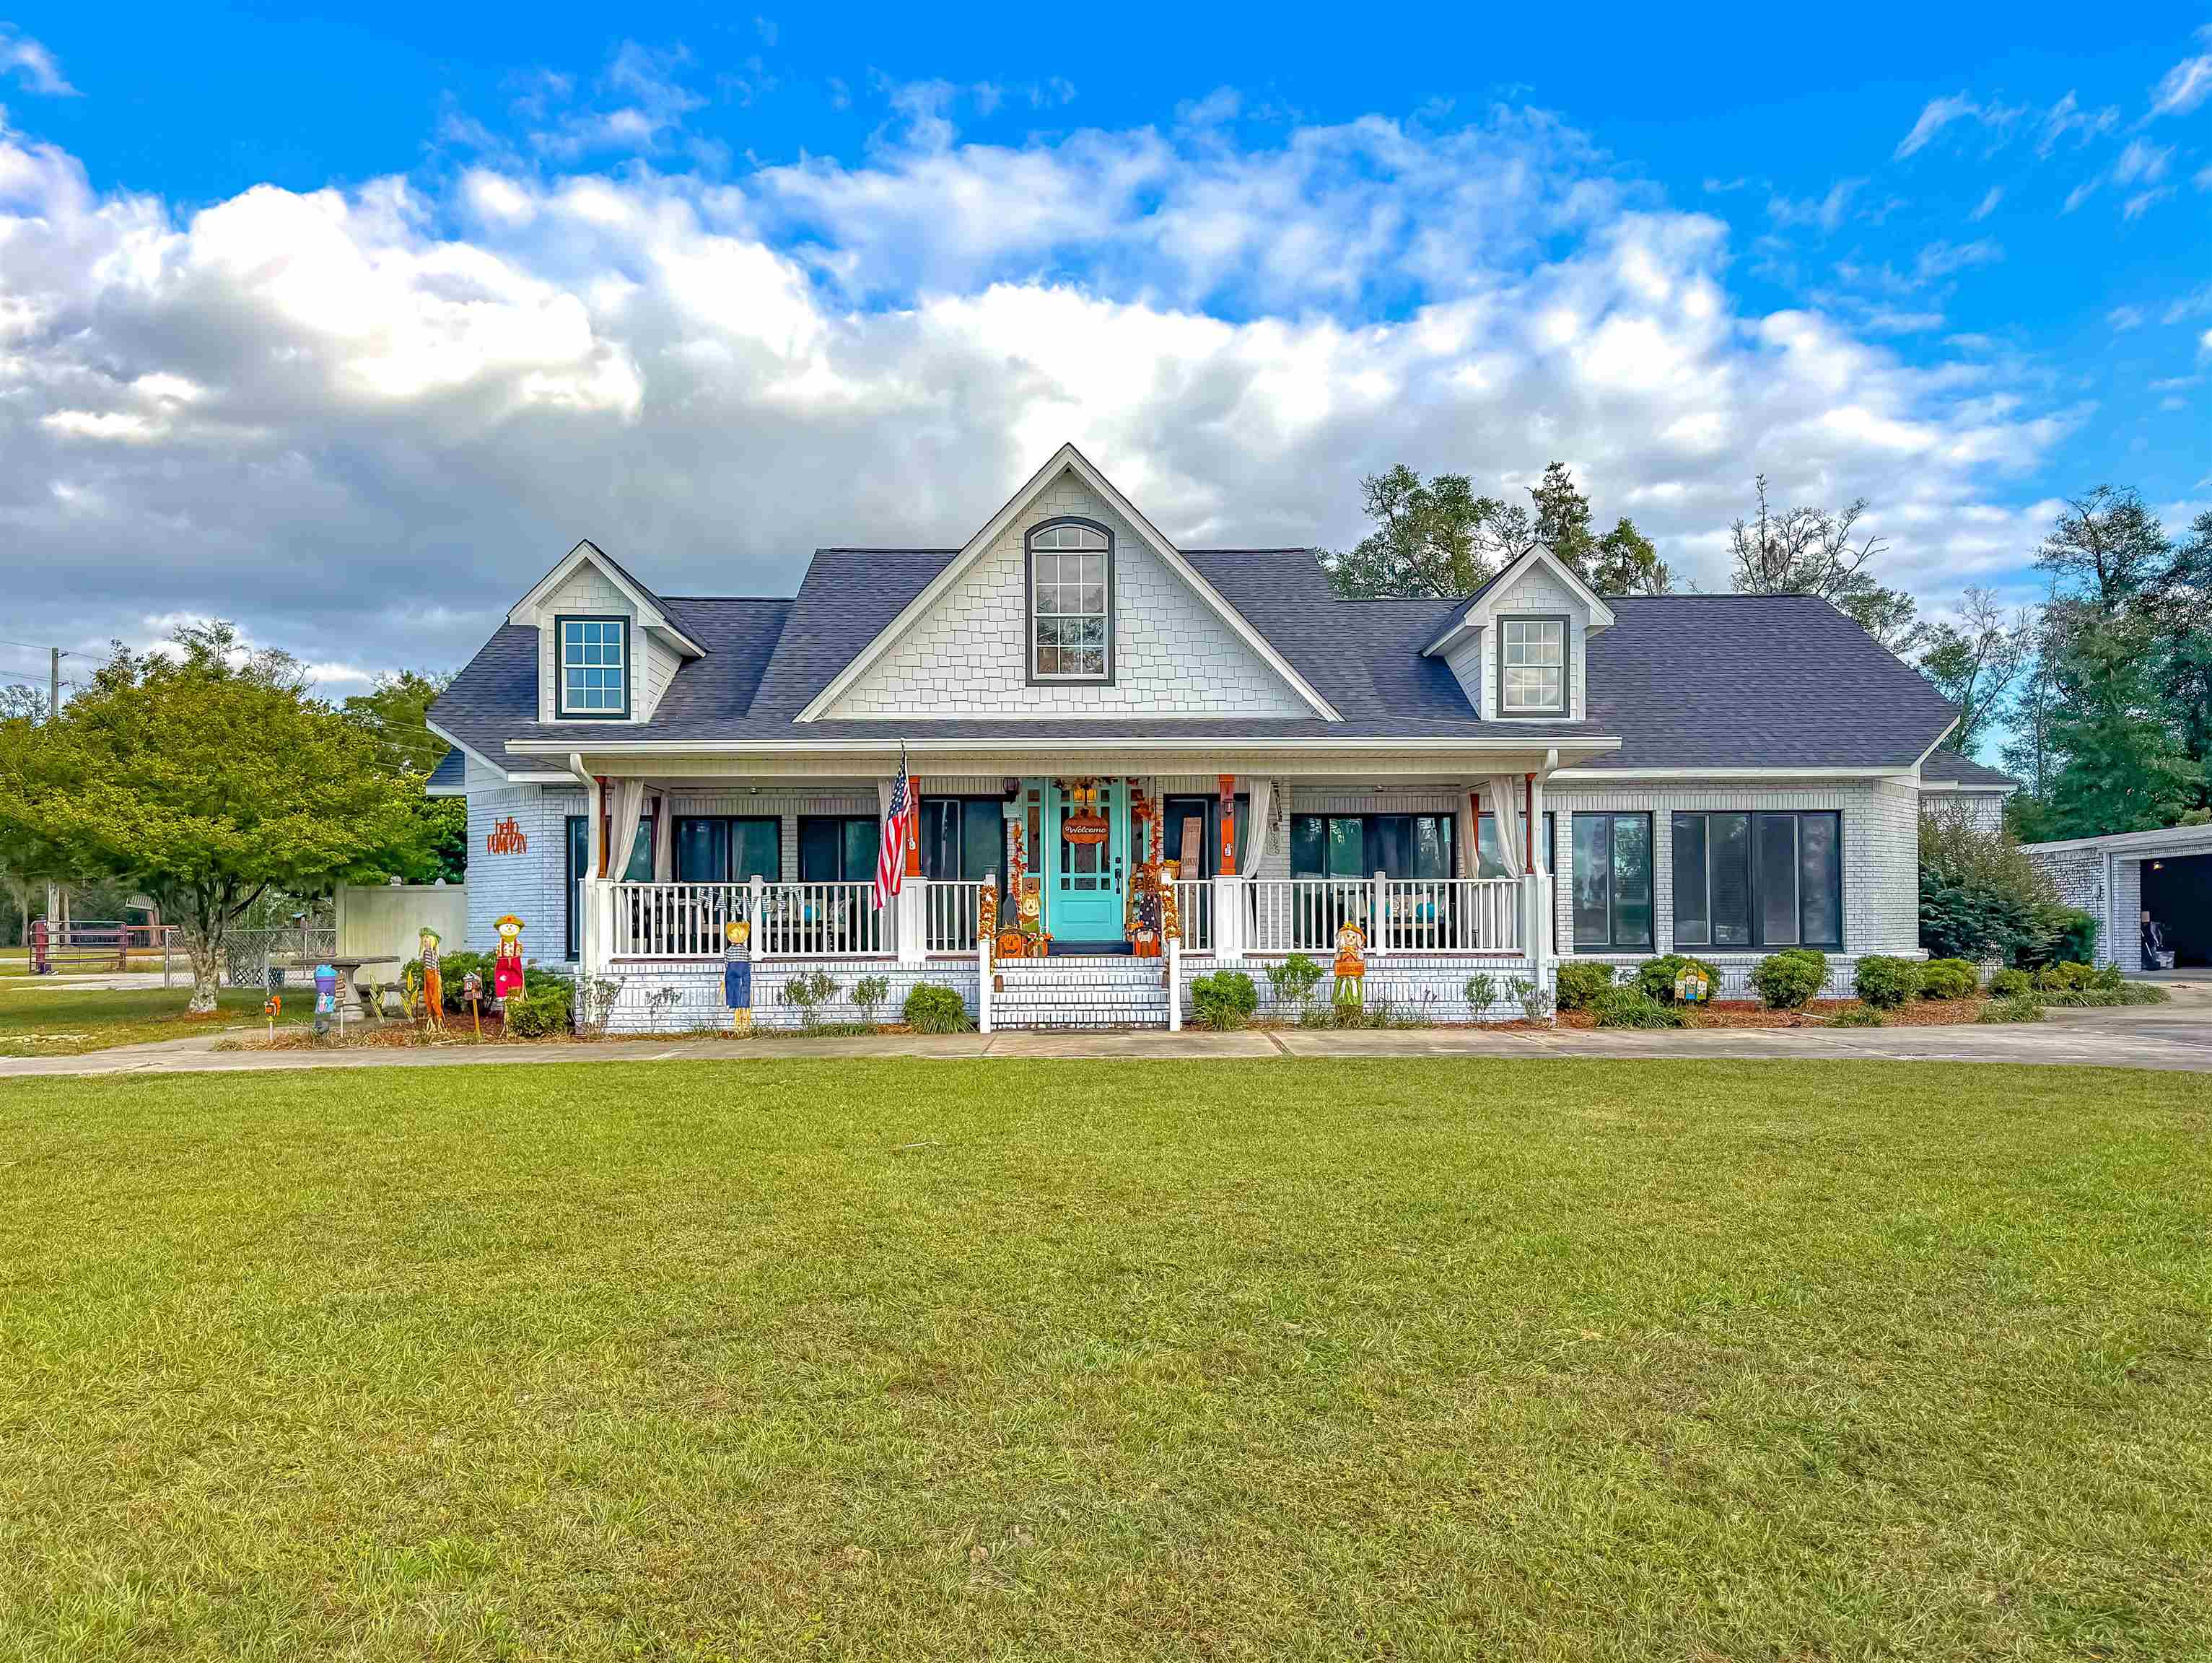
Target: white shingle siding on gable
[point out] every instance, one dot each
(662, 663)
(1172, 654)
(586, 592)
(1535, 591)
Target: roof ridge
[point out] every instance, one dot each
(785, 598)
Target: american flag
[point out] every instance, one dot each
(891, 859)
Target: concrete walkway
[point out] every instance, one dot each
(2178, 1036)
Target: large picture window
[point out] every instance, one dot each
(838, 847)
(1532, 666)
(729, 848)
(1612, 881)
(1071, 602)
(1360, 845)
(1753, 878)
(963, 839)
(1177, 813)
(595, 683)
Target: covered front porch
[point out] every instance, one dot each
(1084, 888)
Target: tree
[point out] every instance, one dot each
(2106, 548)
(1974, 664)
(395, 715)
(206, 777)
(1563, 519)
(2122, 771)
(2181, 608)
(1628, 563)
(1809, 551)
(1428, 538)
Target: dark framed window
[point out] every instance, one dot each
(729, 848)
(592, 683)
(1612, 881)
(962, 838)
(1069, 601)
(838, 847)
(1360, 845)
(579, 831)
(1532, 666)
(1759, 878)
(1176, 814)
(1490, 859)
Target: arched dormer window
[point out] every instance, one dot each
(1071, 601)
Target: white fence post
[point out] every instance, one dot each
(1536, 901)
(755, 914)
(1175, 984)
(1228, 916)
(910, 921)
(984, 985)
(1379, 915)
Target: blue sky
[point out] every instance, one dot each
(348, 328)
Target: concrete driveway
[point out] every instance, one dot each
(2177, 1036)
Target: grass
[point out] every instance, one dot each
(1423, 1358)
(40, 1017)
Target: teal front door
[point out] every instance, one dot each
(1083, 880)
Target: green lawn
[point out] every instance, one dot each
(39, 1017)
(1544, 1359)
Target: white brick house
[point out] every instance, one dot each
(1720, 773)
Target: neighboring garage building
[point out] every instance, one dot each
(2120, 877)
(1952, 785)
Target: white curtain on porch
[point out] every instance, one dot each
(1256, 835)
(664, 839)
(1470, 855)
(629, 805)
(1505, 814)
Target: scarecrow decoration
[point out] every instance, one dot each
(507, 963)
(1351, 965)
(433, 985)
(737, 973)
(1141, 915)
(472, 996)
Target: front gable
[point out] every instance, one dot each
(962, 647)
(645, 641)
(1538, 585)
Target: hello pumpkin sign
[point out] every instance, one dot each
(506, 838)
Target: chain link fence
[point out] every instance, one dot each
(277, 958)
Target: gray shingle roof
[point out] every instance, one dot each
(1948, 768)
(450, 777)
(1683, 681)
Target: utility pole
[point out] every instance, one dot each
(56, 927)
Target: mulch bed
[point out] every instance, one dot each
(1748, 1013)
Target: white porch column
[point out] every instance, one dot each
(756, 916)
(596, 951)
(910, 921)
(983, 984)
(1228, 917)
(1175, 984)
(1535, 918)
(1378, 915)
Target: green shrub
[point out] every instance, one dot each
(806, 993)
(2009, 983)
(1656, 976)
(2010, 1010)
(869, 992)
(1886, 982)
(452, 968)
(1980, 895)
(1225, 1000)
(1293, 980)
(1787, 980)
(2096, 996)
(1535, 1004)
(546, 1005)
(1581, 984)
(933, 1009)
(1855, 1016)
(1630, 1007)
(1948, 978)
(2074, 939)
(1481, 993)
(2065, 977)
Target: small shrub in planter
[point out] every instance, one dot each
(1656, 976)
(2009, 983)
(1535, 1004)
(547, 1005)
(1225, 1000)
(932, 1009)
(1630, 1007)
(1788, 979)
(1481, 993)
(1582, 984)
(806, 993)
(869, 992)
(1292, 982)
(1886, 983)
(1948, 978)
(2010, 1010)
(1855, 1016)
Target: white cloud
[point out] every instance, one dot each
(413, 396)
(1938, 114)
(2141, 204)
(32, 64)
(1988, 205)
(2125, 317)
(1941, 259)
(1827, 212)
(2141, 162)
(2067, 116)
(2184, 87)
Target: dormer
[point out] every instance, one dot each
(607, 646)
(1520, 646)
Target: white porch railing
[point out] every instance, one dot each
(823, 921)
(952, 914)
(1450, 915)
(1397, 915)
(1194, 913)
(674, 920)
